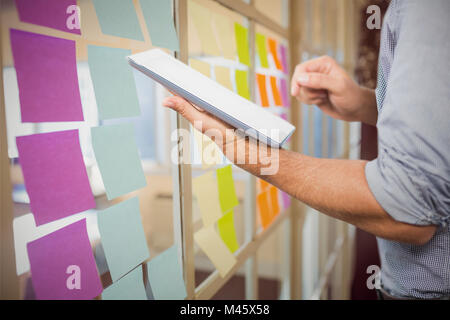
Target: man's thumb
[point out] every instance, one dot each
(316, 80)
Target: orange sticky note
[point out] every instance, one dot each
(264, 209)
(274, 206)
(273, 48)
(276, 93)
(262, 89)
(263, 185)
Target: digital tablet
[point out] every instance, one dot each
(207, 94)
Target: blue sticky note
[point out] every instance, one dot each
(114, 83)
(165, 275)
(118, 159)
(118, 18)
(130, 287)
(123, 238)
(318, 144)
(159, 20)
(305, 128)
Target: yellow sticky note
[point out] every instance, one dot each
(209, 151)
(206, 192)
(227, 231)
(261, 47)
(201, 17)
(223, 76)
(224, 30)
(201, 66)
(241, 34)
(227, 193)
(241, 77)
(216, 250)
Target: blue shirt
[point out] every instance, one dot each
(411, 176)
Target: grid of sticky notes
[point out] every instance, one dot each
(216, 199)
(270, 202)
(62, 262)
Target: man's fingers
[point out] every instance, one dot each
(315, 80)
(183, 107)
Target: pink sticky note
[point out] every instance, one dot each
(56, 14)
(286, 200)
(55, 175)
(283, 54)
(63, 265)
(284, 92)
(47, 77)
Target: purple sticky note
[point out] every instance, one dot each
(284, 63)
(47, 77)
(284, 92)
(63, 265)
(286, 200)
(57, 14)
(55, 175)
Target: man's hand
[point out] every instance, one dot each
(324, 83)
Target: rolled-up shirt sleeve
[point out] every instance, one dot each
(411, 176)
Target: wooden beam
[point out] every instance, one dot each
(252, 13)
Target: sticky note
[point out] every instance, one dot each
(165, 276)
(129, 287)
(47, 77)
(263, 205)
(63, 265)
(159, 20)
(273, 48)
(274, 205)
(284, 60)
(48, 13)
(201, 66)
(241, 77)
(286, 199)
(113, 81)
(201, 18)
(241, 34)
(118, 160)
(261, 49)
(284, 92)
(261, 79)
(118, 18)
(216, 250)
(224, 28)
(122, 236)
(275, 91)
(227, 193)
(263, 185)
(227, 231)
(55, 175)
(209, 151)
(206, 192)
(222, 75)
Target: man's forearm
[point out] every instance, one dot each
(367, 112)
(337, 188)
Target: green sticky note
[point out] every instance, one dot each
(118, 18)
(261, 48)
(227, 194)
(114, 84)
(165, 276)
(227, 231)
(241, 34)
(241, 77)
(118, 159)
(122, 236)
(159, 20)
(130, 287)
